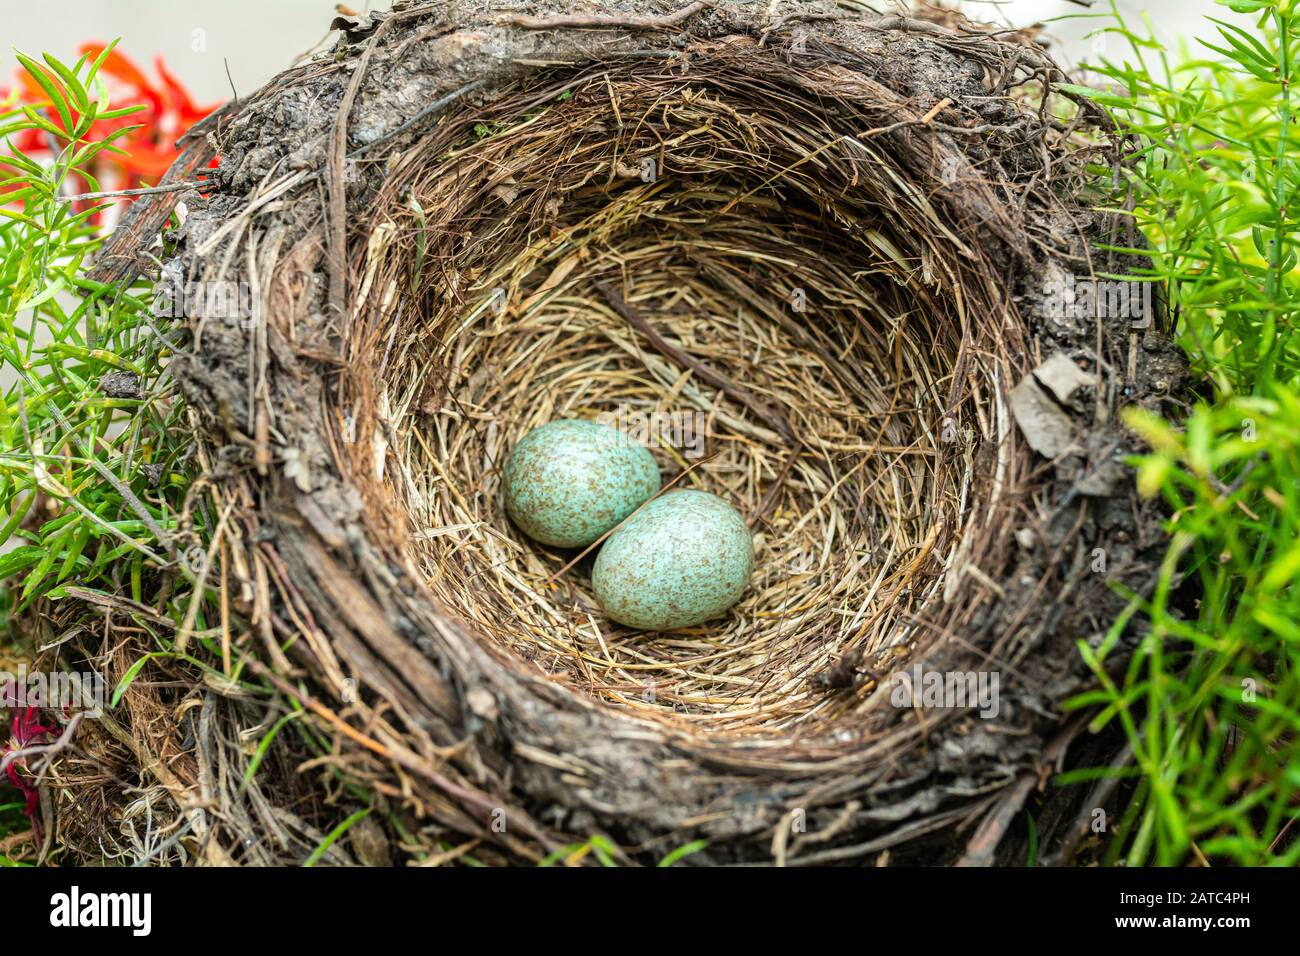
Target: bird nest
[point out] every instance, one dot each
(750, 298)
(801, 258)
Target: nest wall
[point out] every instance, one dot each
(472, 222)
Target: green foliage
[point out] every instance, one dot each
(598, 846)
(683, 851)
(1213, 178)
(12, 820)
(1211, 702)
(76, 505)
(333, 836)
(92, 479)
(605, 852)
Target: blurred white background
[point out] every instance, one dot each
(257, 38)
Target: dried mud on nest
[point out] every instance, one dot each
(823, 235)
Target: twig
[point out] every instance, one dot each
(145, 191)
(711, 375)
(231, 80)
(982, 846)
(1097, 798)
(338, 226)
(796, 18)
(122, 258)
(417, 118)
(769, 497)
(167, 844)
(935, 110)
(605, 21)
(115, 602)
(397, 753)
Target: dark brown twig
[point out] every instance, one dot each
(707, 372)
(769, 496)
(338, 227)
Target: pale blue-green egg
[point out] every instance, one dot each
(569, 481)
(683, 559)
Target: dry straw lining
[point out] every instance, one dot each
(715, 205)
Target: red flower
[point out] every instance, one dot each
(26, 731)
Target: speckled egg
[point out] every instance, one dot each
(683, 559)
(569, 481)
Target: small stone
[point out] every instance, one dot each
(120, 385)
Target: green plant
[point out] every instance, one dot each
(1210, 704)
(604, 852)
(92, 477)
(90, 481)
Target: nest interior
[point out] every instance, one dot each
(816, 238)
(791, 258)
